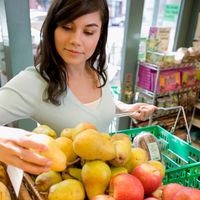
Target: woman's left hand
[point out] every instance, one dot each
(141, 111)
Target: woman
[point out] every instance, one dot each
(68, 86)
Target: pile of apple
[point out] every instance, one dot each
(87, 164)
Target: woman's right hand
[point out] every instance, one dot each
(15, 145)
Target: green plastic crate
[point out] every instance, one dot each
(181, 159)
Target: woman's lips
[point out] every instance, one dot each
(74, 51)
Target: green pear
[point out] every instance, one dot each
(69, 189)
(46, 130)
(95, 177)
(118, 170)
(47, 179)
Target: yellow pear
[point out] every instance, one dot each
(4, 192)
(118, 170)
(138, 156)
(82, 127)
(120, 136)
(46, 130)
(44, 180)
(68, 132)
(106, 135)
(123, 149)
(69, 189)
(158, 165)
(65, 144)
(91, 145)
(54, 153)
(96, 177)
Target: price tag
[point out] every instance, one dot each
(16, 175)
(154, 151)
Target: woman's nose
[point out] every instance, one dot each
(75, 38)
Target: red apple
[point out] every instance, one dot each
(103, 197)
(151, 198)
(170, 190)
(187, 193)
(126, 187)
(149, 176)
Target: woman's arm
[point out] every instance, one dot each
(140, 111)
(15, 146)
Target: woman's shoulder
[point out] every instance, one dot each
(26, 79)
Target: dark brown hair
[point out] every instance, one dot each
(51, 65)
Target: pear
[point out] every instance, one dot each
(67, 132)
(82, 127)
(65, 145)
(138, 156)
(106, 135)
(4, 192)
(65, 174)
(69, 189)
(72, 172)
(118, 170)
(54, 153)
(47, 179)
(75, 172)
(95, 177)
(91, 145)
(123, 152)
(46, 130)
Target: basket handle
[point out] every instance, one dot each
(180, 108)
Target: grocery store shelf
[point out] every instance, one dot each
(168, 67)
(151, 94)
(197, 105)
(196, 121)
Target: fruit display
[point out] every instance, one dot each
(90, 165)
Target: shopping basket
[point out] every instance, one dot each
(181, 159)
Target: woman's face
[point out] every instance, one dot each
(76, 41)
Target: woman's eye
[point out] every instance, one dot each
(67, 27)
(89, 33)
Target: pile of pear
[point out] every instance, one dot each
(83, 161)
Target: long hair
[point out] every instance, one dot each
(52, 67)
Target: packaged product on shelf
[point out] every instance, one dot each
(144, 77)
(161, 59)
(154, 57)
(158, 39)
(188, 77)
(169, 80)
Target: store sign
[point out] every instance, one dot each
(171, 12)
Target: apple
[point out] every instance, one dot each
(187, 193)
(102, 197)
(158, 165)
(151, 198)
(126, 187)
(170, 190)
(149, 176)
